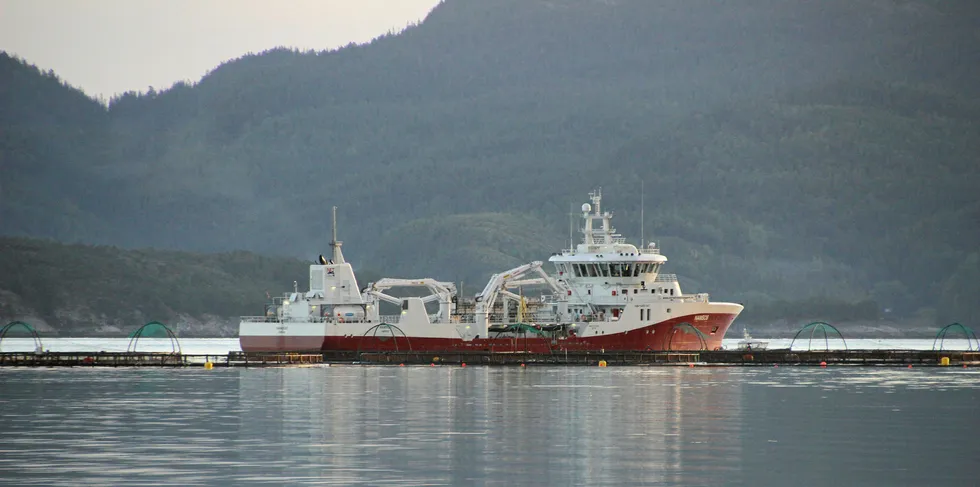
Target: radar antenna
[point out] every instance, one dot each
(596, 197)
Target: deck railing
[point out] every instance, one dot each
(259, 319)
(315, 319)
(618, 240)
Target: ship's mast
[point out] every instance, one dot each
(571, 224)
(338, 256)
(643, 244)
(587, 231)
(606, 234)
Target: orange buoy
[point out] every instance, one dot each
(690, 365)
(910, 366)
(522, 365)
(401, 365)
(464, 364)
(432, 364)
(823, 364)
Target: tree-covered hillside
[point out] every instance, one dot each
(791, 152)
(84, 290)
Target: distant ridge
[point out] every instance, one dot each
(790, 151)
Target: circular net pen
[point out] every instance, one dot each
(388, 331)
(156, 330)
(687, 328)
(38, 346)
(943, 336)
(816, 328)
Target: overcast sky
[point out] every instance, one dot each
(110, 46)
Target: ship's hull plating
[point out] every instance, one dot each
(674, 334)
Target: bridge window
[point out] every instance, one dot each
(604, 269)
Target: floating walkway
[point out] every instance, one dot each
(175, 358)
(155, 359)
(711, 358)
(718, 358)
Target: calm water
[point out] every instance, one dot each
(490, 426)
(224, 345)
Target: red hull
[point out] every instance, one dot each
(281, 343)
(675, 334)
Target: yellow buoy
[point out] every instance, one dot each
(944, 361)
(208, 365)
(602, 363)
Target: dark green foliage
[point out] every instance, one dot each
(961, 293)
(50, 277)
(821, 308)
(792, 152)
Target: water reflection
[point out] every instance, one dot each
(488, 426)
(862, 426)
(449, 425)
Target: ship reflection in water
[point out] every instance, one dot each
(446, 425)
(554, 426)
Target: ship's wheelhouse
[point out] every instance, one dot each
(647, 270)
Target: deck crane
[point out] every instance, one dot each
(499, 284)
(442, 292)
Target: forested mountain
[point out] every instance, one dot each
(823, 152)
(85, 290)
